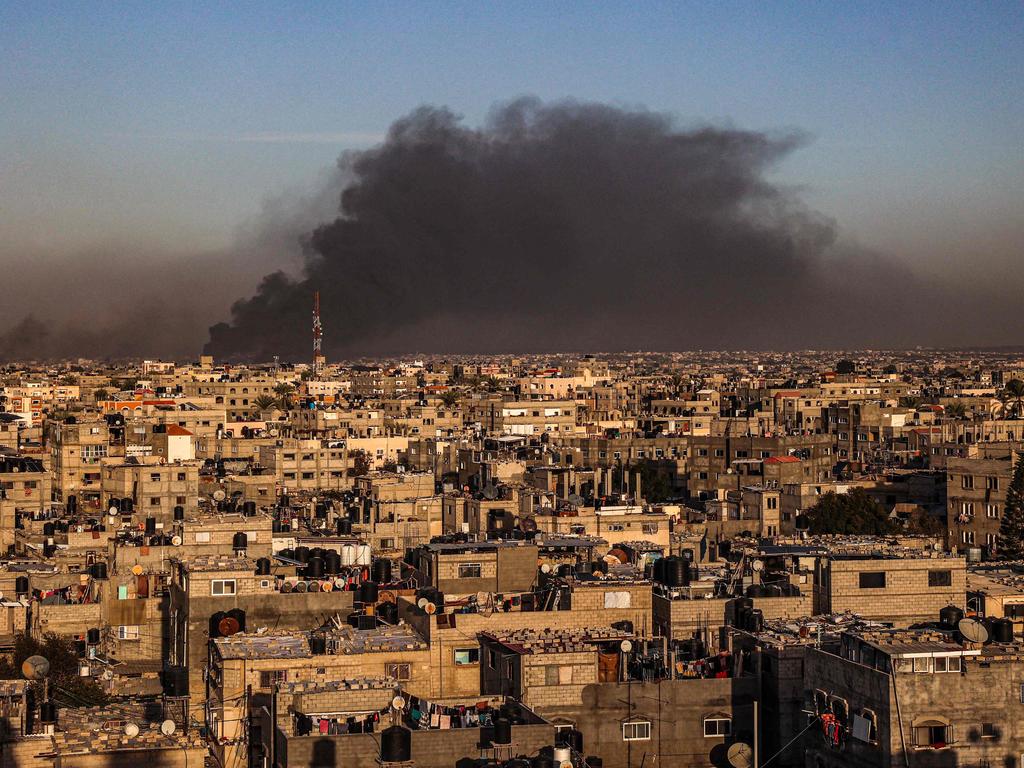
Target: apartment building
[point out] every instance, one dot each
(976, 497)
(308, 465)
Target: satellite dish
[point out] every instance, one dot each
(113, 511)
(422, 603)
(740, 755)
(973, 631)
(108, 674)
(228, 626)
(176, 541)
(219, 495)
(545, 568)
(430, 609)
(490, 493)
(131, 730)
(35, 667)
(167, 727)
(575, 499)
(757, 566)
(626, 646)
(398, 703)
(273, 433)
(137, 569)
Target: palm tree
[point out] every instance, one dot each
(955, 410)
(1013, 398)
(909, 401)
(264, 403)
(450, 397)
(284, 393)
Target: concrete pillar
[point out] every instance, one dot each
(637, 488)
(608, 482)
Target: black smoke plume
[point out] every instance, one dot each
(554, 226)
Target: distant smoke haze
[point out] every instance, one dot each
(562, 226)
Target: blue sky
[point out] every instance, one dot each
(170, 123)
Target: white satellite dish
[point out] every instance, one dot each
(973, 631)
(131, 730)
(176, 541)
(626, 646)
(398, 703)
(740, 755)
(35, 667)
(108, 674)
(545, 568)
(422, 602)
(167, 727)
(219, 495)
(757, 566)
(113, 511)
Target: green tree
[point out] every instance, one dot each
(1010, 543)
(360, 464)
(101, 394)
(66, 686)
(284, 392)
(909, 401)
(955, 410)
(849, 513)
(451, 397)
(845, 367)
(1012, 397)
(264, 403)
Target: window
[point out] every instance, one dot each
(933, 733)
(469, 570)
(465, 656)
(992, 483)
(639, 730)
(923, 664)
(154, 501)
(222, 587)
(872, 580)
(940, 578)
(155, 477)
(203, 537)
(269, 677)
(402, 672)
(130, 632)
(947, 663)
(717, 725)
(551, 674)
(181, 477)
(989, 731)
(967, 482)
(992, 510)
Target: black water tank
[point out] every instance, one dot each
(599, 566)
(950, 616)
(595, 762)
(321, 510)
(318, 645)
(658, 570)
(92, 637)
(302, 554)
(724, 548)
(127, 504)
(368, 592)
(287, 554)
(314, 568)
(285, 501)
(249, 509)
(277, 526)
(21, 586)
(49, 529)
(802, 523)
(239, 541)
(98, 571)
(332, 563)
(677, 572)
(1002, 631)
(344, 526)
(150, 526)
(72, 504)
(215, 621)
(396, 745)
(48, 712)
(542, 761)
(382, 571)
(263, 566)
(388, 612)
(502, 731)
(179, 512)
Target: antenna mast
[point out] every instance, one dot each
(318, 337)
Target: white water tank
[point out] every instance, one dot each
(364, 556)
(348, 554)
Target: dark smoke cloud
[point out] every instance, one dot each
(570, 224)
(567, 226)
